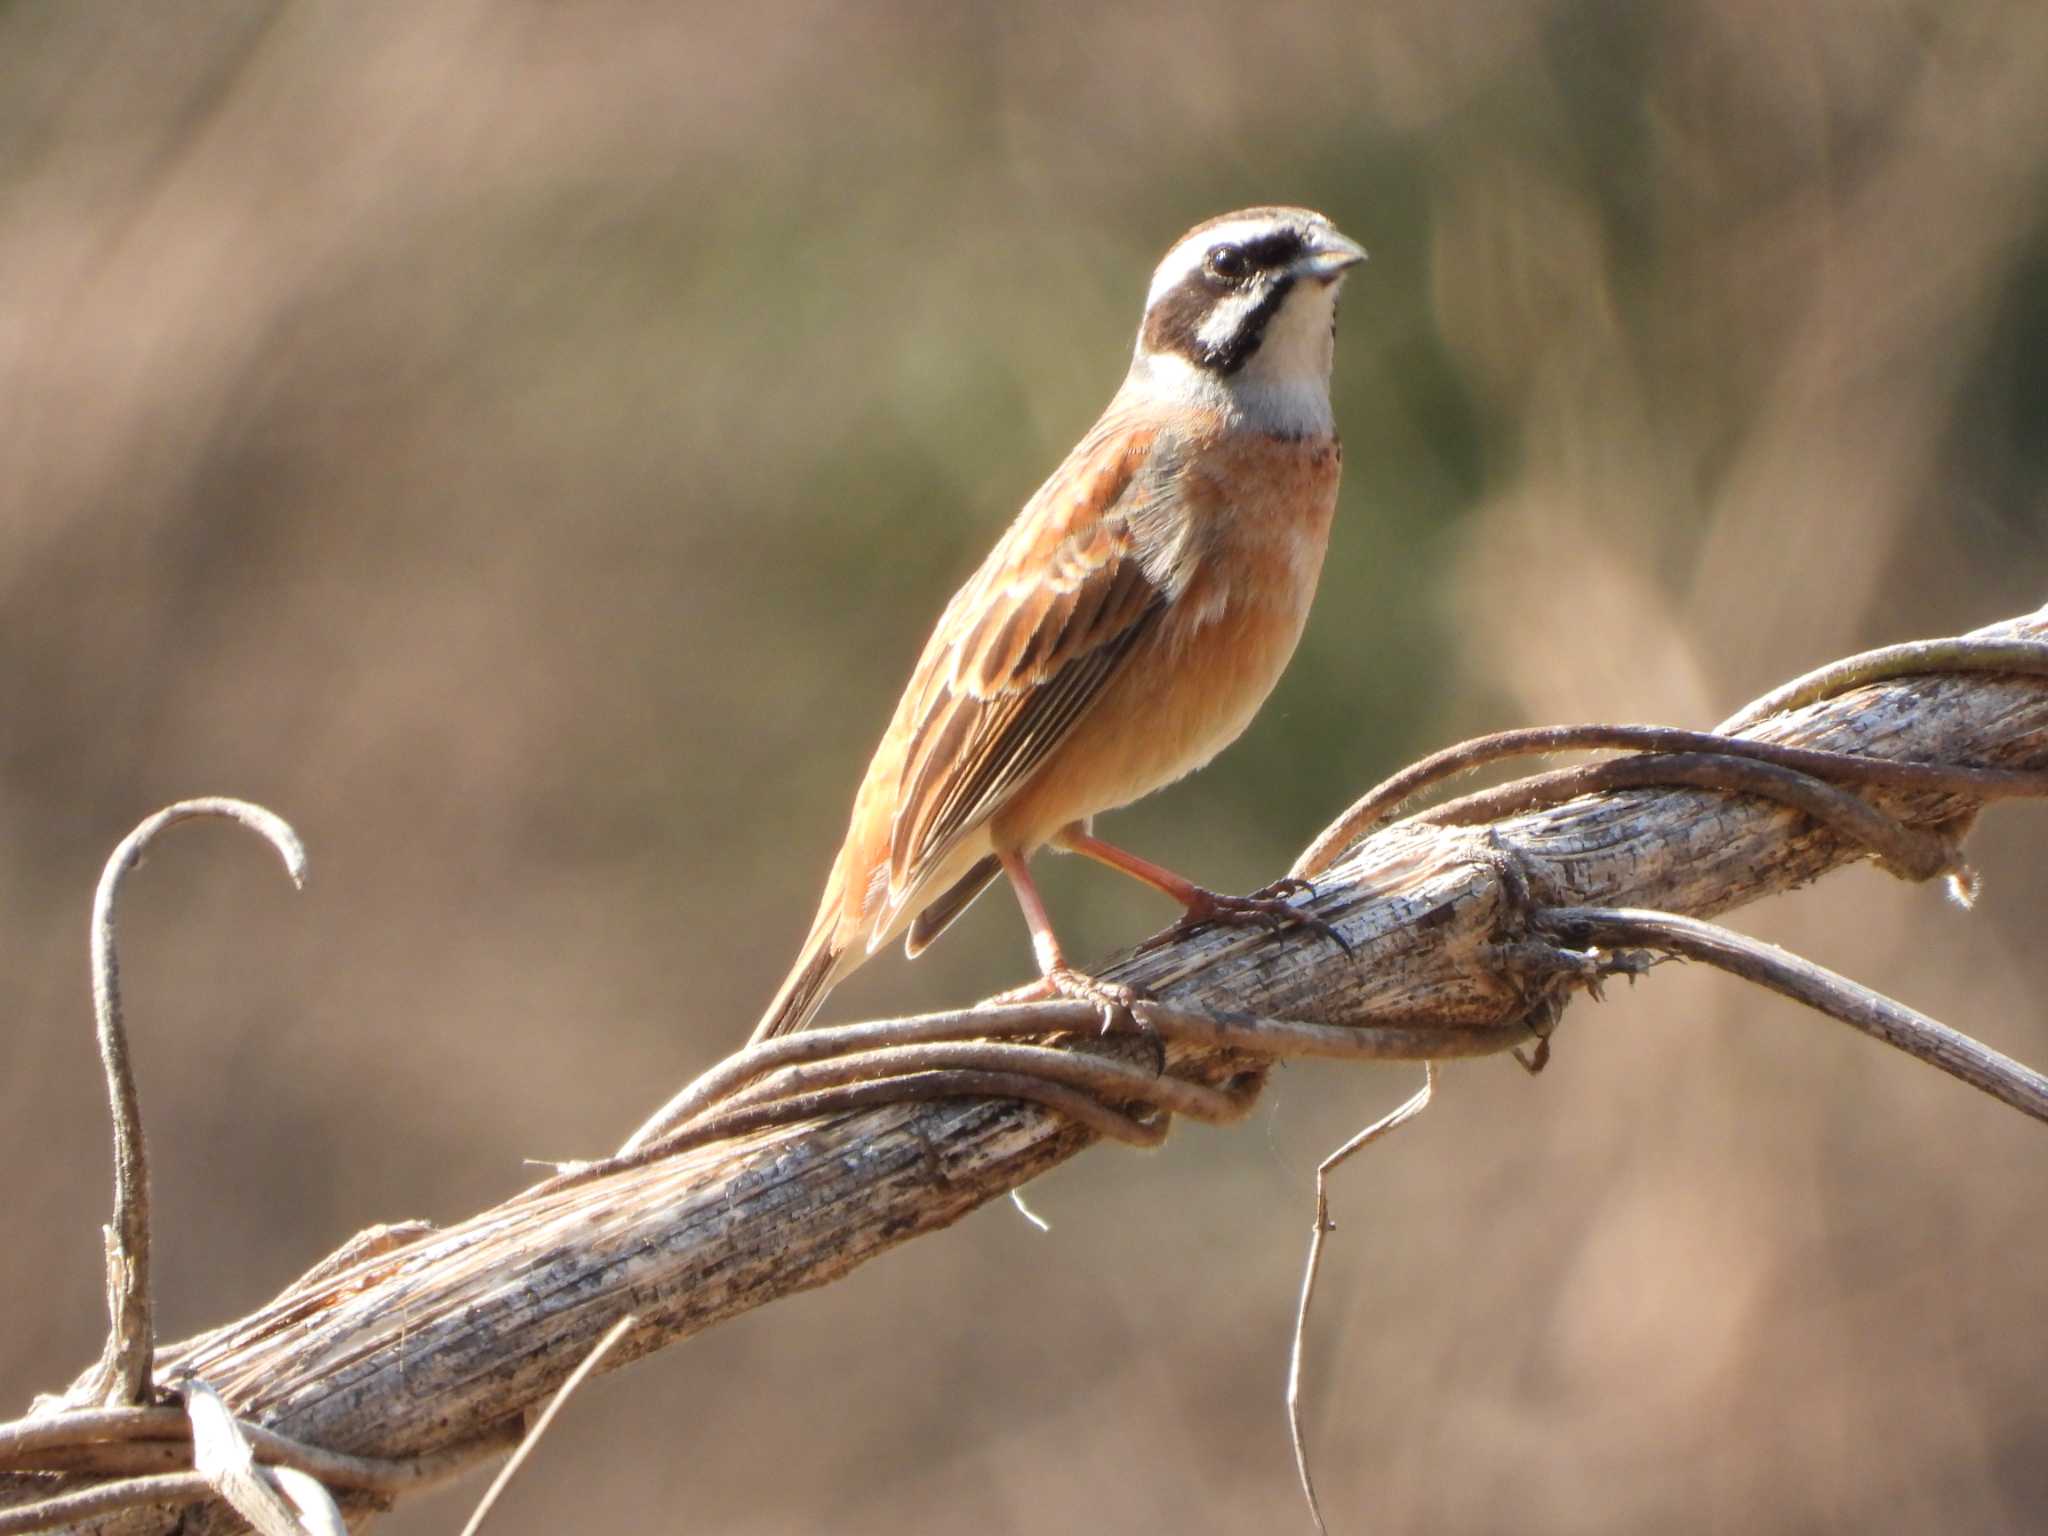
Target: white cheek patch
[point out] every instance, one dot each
(1227, 317)
(1169, 376)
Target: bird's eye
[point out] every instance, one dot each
(1227, 262)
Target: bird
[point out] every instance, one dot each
(1127, 626)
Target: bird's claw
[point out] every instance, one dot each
(1268, 909)
(1114, 999)
(1285, 886)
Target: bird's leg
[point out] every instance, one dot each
(1268, 908)
(1056, 977)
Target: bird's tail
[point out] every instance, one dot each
(819, 964)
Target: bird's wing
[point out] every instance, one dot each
(1027, 647)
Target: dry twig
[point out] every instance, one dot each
(38, 1444)
(1819, 988)
(123, 1374)
(517, 1459)
(1407, 1110)
(283, 1502)
(721, 1203)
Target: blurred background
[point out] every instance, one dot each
(525, 445)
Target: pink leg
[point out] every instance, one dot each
(1045, 945)
(1057, 978)
(1200, 905)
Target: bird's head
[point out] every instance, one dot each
(1242, 315)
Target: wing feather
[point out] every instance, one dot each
(1026, 648)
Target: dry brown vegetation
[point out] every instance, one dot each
(525, 445)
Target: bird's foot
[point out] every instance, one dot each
(1285, 886)
(1268, 909)
(1112, 998)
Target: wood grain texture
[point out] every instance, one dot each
(416, 1348)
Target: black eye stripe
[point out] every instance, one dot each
(1235, 261)
(1274, 250)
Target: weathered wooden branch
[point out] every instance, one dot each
(415, 1342)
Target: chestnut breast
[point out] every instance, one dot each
(1258, 512)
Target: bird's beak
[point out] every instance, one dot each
(1330, 257)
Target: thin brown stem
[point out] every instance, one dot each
(28, 1445)
(1101, 1077)
(1914, 658)
(1909, 1030)
(916, 1088)
(172, 1489)
(1383, 800)
(1268, 1037)
(568, 1388)
(1414, 1105)
(123, 1375)
(107, 1458)
(1911, 854)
